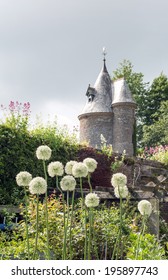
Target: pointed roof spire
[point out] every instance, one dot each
(104, 55)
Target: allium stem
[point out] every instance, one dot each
(46, 210)
(81, 189)
(27, 232)
(65, 229)
(89, 182)
(90, 232)
(37, 222)
(118, 240)
(140, 235)
(86, 237)
(57, 185)
(70, 234)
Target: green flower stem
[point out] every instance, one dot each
(118, 240)
(70, 233)
(57, 185)
(46, 210)
(140, 235)
(120, 229)
(89, 176)
(86, 237)
(65, 229)
(81, 189)
(37, 222)
(90, 232)
(27, 232)
(85, 247)
(63, 197)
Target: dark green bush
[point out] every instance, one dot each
(17, 153)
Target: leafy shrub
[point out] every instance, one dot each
(18, 145)
(150, 248)
(158, 153)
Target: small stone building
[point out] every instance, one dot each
(110, 112)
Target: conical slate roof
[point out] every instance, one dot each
(99, 96)
(121, 92)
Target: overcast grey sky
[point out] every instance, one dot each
(50, 50)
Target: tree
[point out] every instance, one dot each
(157, 93)
(157, 133)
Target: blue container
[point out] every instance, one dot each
(2, 226)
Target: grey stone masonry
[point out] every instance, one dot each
(92, 125)
(122, 128)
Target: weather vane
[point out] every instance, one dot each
(104, 53)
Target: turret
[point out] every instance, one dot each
(96, 117)
(123, 107)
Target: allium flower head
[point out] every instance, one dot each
(79, 170)
(68, 183)
(92, 200)
(55, 168)
(145, 207)
(91, 164)
(68, 166)
(121, 192)
(38, 185)
(23, 178)
(43, 152)
(118, 179)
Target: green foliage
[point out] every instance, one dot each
(105, 231)
(157, 133)
(157, 94)
(17, 153)
(150, 248)
(105, 148)
(118, 162)
(164, 235)
(158, 153)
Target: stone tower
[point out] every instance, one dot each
(123, 107)
(109, 111)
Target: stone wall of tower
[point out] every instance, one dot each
(123, 127)
(92, 125)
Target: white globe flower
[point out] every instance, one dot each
(68, 183)
(91, 164)
(68, 166)
(38, 185)
(23, 178)
(118, 179)
(121, 192)
(43, 152)
(55, 168)
(145, 207)
(79, 170)
(92, 200)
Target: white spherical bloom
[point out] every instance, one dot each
(23, 178)
(79, 170)
(92, 200)
(68, 183)
(91, 164)
(38, 185)
(145, 207)
(121, 192)
(43, 152)
(55, 168)
(68, 166)
(118, 179)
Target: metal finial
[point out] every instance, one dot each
(104, 53)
